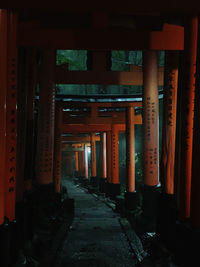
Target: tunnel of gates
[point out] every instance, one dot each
(31, 152)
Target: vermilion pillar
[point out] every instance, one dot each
(29, 172)
(3, 86)
(57, 148)
(150, 137)
(109, 154)
(76, 162)
(85, 162)
(150, 119)
(195, 186)
(11, 116)
(103, 179)
(93, 155)
(187, 112)
(103, 156)
(115, 185)
(169, 121)
(130, 150)
(46, 116)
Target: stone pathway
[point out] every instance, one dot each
(96, 237)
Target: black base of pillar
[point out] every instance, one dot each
(94, 181)
(4, 245)
(185, 245)
(103, 185)
(150, 206)
(85, 182)
(113, 190)
(166, 219)
(131, 200)
(14, 242)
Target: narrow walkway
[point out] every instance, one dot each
(96, 237)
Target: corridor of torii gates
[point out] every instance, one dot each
(46, 134)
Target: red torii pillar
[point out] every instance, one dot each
(103, 179)
(114, 186)
(57, 148)
(45, 139)
(85, 162)
(130, 194)
(109, 156)
(93, 178)
(150, 135)
(187, 112)
(167, 211)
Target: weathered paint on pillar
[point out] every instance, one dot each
(93, 155)
(115, 154)
(109, 156)
(150, 119)
(3, 89)
(130, 150)
(169, 121)
(103, 156)
(195, 183)
(57, 148)
(76, 161)
(11, 118)
(187, 112)
(46, 119)
(85, 161)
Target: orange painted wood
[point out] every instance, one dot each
(109, 155)
(130, 150)
(103, 156)
(150, 119)
(169, 121)
(57, 163)
(94, 39)
(46, 117)
(187, 113)
(11, 118)
(133, 77)
(93, 155)
(3, 92)
(79, 139)
(115, 154)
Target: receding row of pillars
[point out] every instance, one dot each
(185, 186)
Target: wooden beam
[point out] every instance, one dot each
(79, 138)
(103, 39)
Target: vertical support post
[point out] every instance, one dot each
(195, 185)
(150, 135)
(3, 91)
(169, 121)
(130, 195)
(76, 163)
(57, 148)
(103, 179)
(93, 178)
(115, 185)
(167, 208)
(109, 156)
(46, 119)
(11, 117)
(85, 161)
(187, 112)
(29, 172)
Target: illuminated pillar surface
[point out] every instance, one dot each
(195, 185)
(93, 155)
(3, 87)
(76, 161)
(130, 150)
(103, 156)
(57, 149)
(46, 119)
(85, 161)
(169, 121)
(150, 119)
(187, 112)
(80, 163)
(115, 154)
(109, 156)
(11, 116)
